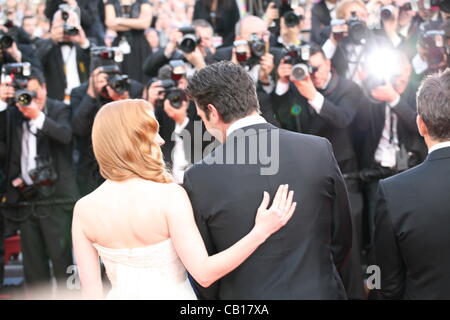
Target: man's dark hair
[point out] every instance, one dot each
(433, 104)
(201, 23)
(37, 74)
(227, 87)
(315, 48)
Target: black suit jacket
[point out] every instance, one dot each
(411, 238)
(342, 98)
(84, 108)
(320, 18)
(302, 260)
(52, 61)
(54, 139)
(265, 100)
(369, 125)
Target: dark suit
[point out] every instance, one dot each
(320, 18)
(52, 61)
(303, 259)
(265, 101)
(341, 100)
(411, 236)
(84, 109)
(44, 221)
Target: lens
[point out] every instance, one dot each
(299, 71)
(385, 14)
(5, 42)
(188, 43)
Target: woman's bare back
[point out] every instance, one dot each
(127, 214)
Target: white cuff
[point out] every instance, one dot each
(269, 88)
(419, 65)
(179, 128)
(38, 123)
(282, 88)
(329, 48)
(3, 105)
(394, 103)
(87, 45)
(317, 102)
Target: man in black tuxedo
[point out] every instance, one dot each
(260, 65)
(386, 137)
(304, 259)
(65, 58)
(40, 180)
(411, 236)
(85, 102)
(325, 104)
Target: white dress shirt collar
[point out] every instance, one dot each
(438, 146)
(245, 122)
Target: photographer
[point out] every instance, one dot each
(64, 57)
(89, 12)
(322, 103)
(86, 100)
(192, 44)
(130, 19)
(322, 13)
(291, 25)
(179, 124)
(350, 40)
(40, 180)
(386, 135)
(252, 51)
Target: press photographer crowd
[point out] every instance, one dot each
(369, 76)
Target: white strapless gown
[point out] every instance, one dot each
(152, 272)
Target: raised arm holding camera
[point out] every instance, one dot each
(40, 180)
(106, 83)
(64, 57)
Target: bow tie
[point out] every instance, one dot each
(66, 43)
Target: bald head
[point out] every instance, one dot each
(249, 25)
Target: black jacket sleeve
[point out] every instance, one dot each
(341, 229)
(387, 253)
(85, 108)
(212, 292)
(155, 61)
(58, 127)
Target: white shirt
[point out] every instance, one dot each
(386, 153)
(332, 9)
(438, 146)
(245, 122)
(69, 55)
(254, 74)
(179, 162)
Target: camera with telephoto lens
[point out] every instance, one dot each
(69, 30)
(43, 176)
(387, 12)
(257, 46)
(6, 41)
(175, 95)
(298, 57)
(291, 19)
(357, 29)
(107, 53)
(189, 41)
(17, 75)
(117, 81)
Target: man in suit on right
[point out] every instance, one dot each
(411, 237)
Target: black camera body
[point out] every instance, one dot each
(43, 176)
(189, 41)
(298, 57)
(444, 5)
(107, 54)
(17, 75)
(257, 46)
(357, 29)
(6, 41)
(69, 30)
(175, 95)
(291, 19)
(117, 81)
(435, 45)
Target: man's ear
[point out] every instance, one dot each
(423, 130)
(214, 115)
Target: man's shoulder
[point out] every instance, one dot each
(404, 181)
(55, 105)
